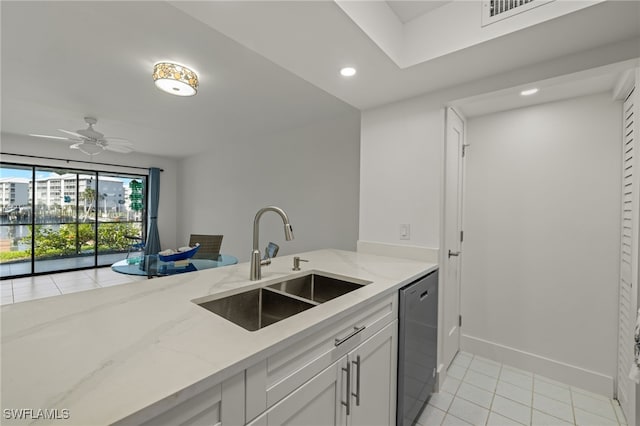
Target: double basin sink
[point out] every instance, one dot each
(261, 307)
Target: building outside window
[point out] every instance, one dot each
(54, 220)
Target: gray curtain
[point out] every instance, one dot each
(152, 246)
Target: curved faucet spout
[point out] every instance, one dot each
(255, 254)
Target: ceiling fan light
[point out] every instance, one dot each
(175, 79)
(89, 148)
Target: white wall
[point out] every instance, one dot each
(411, 192)
(541, 250)
(401, 147)
(27, 145)
(312, 172)
(400, 169)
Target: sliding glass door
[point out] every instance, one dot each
(15, 219)
(63, 238)
(120, 215)
(63, 219)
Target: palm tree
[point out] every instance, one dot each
(88, 197)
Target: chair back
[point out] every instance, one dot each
(209, 245)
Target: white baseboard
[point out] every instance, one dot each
(425, 254)
(557, 370)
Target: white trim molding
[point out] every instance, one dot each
(554, 369)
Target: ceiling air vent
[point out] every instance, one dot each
(496, 10)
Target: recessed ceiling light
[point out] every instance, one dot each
(529, 92)
(348, 71)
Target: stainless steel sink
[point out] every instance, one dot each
(315, 287)
(259, 308)
(256, 309)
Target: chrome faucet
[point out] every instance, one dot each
(256, 262)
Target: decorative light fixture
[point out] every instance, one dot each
(89, 147)
(529, 92)
(348, 71)
(175, 79)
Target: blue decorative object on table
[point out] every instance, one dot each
(179, 255)
(151, 266)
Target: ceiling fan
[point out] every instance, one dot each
(92, 142)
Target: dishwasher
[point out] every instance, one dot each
(417, 347)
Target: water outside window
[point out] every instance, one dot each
(59, 219)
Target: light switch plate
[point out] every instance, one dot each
(405, 231)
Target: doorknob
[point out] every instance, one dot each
(454, 253)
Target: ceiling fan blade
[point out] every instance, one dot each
(118, 141)
(52, 137)
(77, 135)
(118, 148)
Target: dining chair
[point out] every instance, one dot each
(136, 244)
(209, 245)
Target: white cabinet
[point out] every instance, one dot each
(279, 374)
(218, 405)
(341, 374)
(373, 379)
(317, 402)
(356, 390)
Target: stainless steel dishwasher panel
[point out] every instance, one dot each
(417, 347)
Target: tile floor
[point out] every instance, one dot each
(479, 391)
(29, 288)
(58, 264)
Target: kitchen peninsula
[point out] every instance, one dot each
(133, 353)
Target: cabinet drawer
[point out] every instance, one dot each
(274, 378)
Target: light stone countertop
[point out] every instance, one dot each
(107, 353)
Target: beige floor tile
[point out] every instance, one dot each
(35, 295)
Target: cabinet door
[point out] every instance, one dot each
(373, 383)
(317, 402)
(219, 405)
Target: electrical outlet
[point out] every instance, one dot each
(405, 231)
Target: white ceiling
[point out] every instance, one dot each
(62, 61)
(598, 80)
(409, 10)
(315, 39)
(263, 66)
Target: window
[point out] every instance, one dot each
(69, 219)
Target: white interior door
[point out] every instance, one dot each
(628, 291)
(452, 247)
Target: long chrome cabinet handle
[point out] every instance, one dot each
(357, 392)
(348, 394)
(355, 331)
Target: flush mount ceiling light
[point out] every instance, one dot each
(348, 71)
(529, 92)
(175, 79)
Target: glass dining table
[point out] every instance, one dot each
(152, 266)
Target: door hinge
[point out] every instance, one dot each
(459, 320)
(461, 236)
(464, 148)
